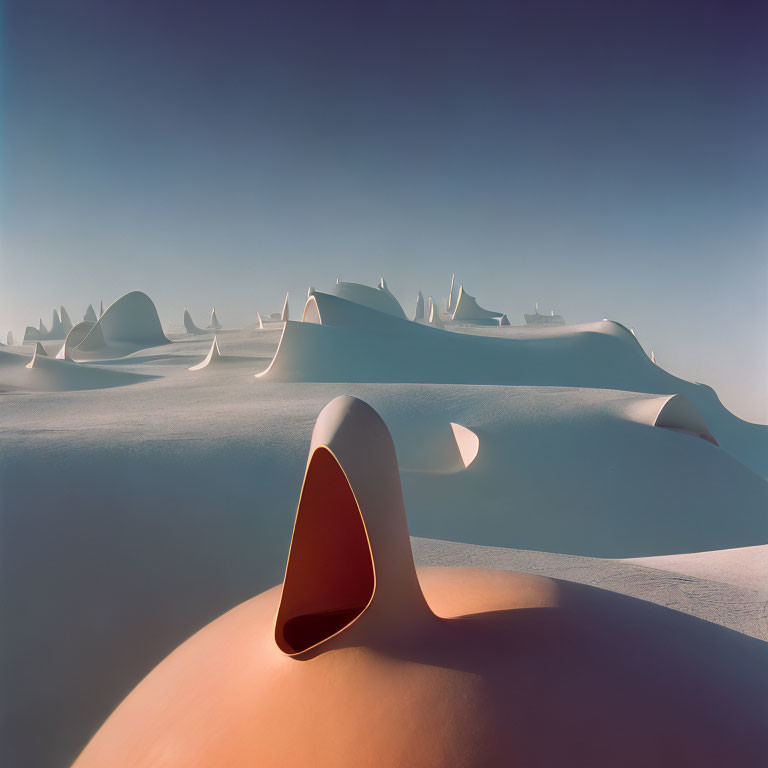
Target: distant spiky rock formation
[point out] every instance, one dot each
(450, 296)
(285, 315)
(213, 356)
(9, 339)
(66, 323)
(90, 314)
(189, 324)
(214, 325)
(504, 320)
(434, 315)
(31, 334)
(57, 330)
(384, 287)
(60, 327)
(101, 308)
(419, 307)
(259, 320)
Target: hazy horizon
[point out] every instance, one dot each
(603, 159)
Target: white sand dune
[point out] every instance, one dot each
(49, 374)
(745, 567)
(379, 299)
(130, 323)
(729, 597)
(180, 491)
(220, 457)
(345, 341)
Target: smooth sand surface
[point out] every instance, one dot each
(743, 567)
(133, 516)
(741, 607)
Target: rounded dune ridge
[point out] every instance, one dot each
(526, 670)
(380, 298)
(130, 323)
(342, 341)
(53, 374)
(331, 310)
(743, 567)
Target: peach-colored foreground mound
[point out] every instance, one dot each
(359, 661)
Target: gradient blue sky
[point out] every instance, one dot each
(608, 159)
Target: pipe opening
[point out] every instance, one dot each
(330, 577)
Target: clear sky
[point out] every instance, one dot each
(607, 159)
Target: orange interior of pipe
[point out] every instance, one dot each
(330, 577)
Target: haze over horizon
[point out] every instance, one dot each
(603, 159)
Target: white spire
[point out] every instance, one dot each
(39, 352)
(212, 357)
(419, 307)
